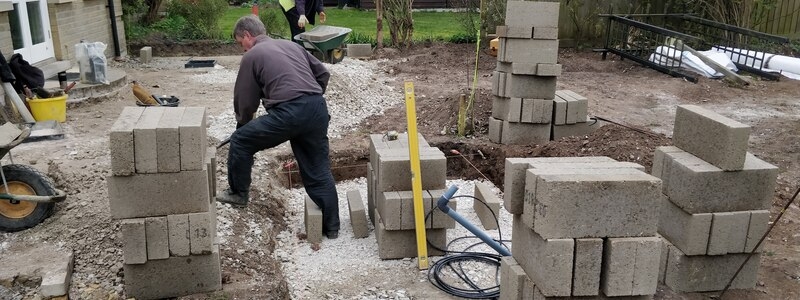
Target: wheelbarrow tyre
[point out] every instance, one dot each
(23, 179)
(335, 55)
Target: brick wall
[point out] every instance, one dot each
(87, 20)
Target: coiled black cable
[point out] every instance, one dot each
(453, 261)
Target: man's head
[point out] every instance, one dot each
(246, 30)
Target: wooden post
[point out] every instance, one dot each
(379, 22)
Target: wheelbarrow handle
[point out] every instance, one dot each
(58, 197)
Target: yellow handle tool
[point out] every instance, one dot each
(416, 178)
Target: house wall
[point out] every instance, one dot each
(74, 20)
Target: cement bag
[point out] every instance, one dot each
(91, 62)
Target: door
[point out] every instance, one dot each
(30, 30)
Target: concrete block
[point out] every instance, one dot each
(514, 110)
(559, 111)
(572, 167)
(728, 232)
(658, 160)
(504, 67)
(662, 264)
(394, 169)
(548, 70)
(371, 194)
(577, 129)
(168, 140)
(396, 244)
(545, 33)
(689, 232)
(527, 86)
(146, 55)
(488, 208)
(646, 269)
(120, 141)
(581, 105)
(524, 134)
(535, 14)
(500, 107)
(514, 283)
(700, 187)
(146, 195)
(313, 221)
(527, 110)
(179, 235)
(630, 266)
(157, 234)
(514, 177)
(438, 218)
(579, 203)
(759, 223)
(548, 262)
(358, 217)
(495, 130)
(173, 277)
(193, 138)
(359, 50)
(524, 68)
(389, 204)
(543, 111)
(55, 281)
(407, 212)
(515, 32)
(499, 82)
(134, 241)
(711, 137)
(144, 140)
(211, 167)
(202, 233)
(528, 51)
(704, 273)
(588, 262)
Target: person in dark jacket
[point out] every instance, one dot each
(302, 12)
(289, 83)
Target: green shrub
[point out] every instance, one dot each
(274, 20)
(462, 38)
(201, 16)
(173, 27)
(360, 38)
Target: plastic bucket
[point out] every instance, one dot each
(49, 108)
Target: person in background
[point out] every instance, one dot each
(289, 83)
(302, 12)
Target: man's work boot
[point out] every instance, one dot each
(332, 234)
(233, 198)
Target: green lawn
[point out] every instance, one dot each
(436, 25)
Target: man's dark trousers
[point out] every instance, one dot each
(303, 122)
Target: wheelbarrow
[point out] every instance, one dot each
(27, 196)
(325, 42)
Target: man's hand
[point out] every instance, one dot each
(322, 17)
(302, 21)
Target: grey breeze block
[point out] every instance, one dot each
(134, 241)
(121, 141)
(630, 266)
(710, 136)
(524, 133)
(528, 51)
(486, 206)
(168, 140)
(534, 14)
(704, 273)
(514, 177)
(358, 217)
(580, 203)
(396, 244)
(587, 270)
(313, 220)
(161, 194)
(174, 277)
(144, 140)
(700, 187)
(548, 262)
(193, 139)
(514, 283)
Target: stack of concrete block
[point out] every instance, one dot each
(390, 200)
(718, 203)
(524, 82)
(583, 226)
(570, 115)
(161, 191)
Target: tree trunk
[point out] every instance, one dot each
(379, 21)
(152, 11)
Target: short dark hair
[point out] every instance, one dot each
(251, 24)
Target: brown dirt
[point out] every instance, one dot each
(618, 90)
